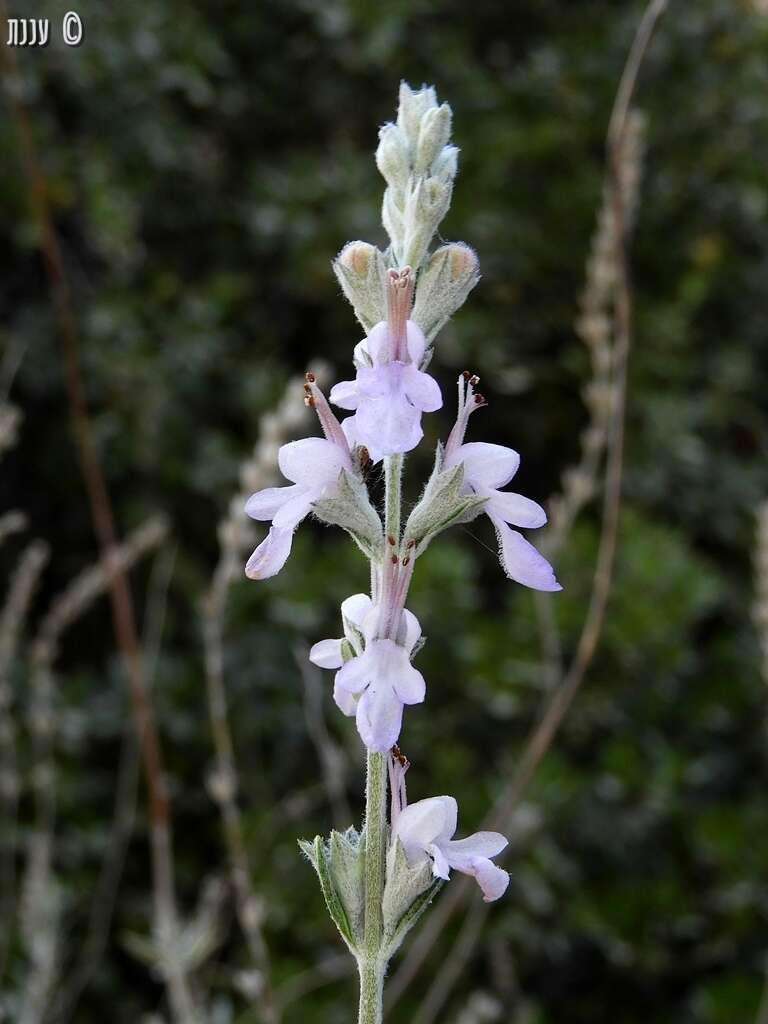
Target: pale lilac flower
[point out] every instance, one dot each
(313, 465)
(426, 831)
(376, 683)
(487, 468)
(390, 392)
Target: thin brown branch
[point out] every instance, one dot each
(333, 761)
(124, 809)
(223, 783)
(557, 708)
(102, 517)
(22, 588)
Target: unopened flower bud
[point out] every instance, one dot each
(413, 106)
(462, 261)
(392, 157)
(361, 272)
(434, 133)
(450, 275)
(357, 256)
(446, 164)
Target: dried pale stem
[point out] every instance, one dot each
(760, 613)
(545, 730)
(224, 787)
(330, 755)
(124, 810)
(124, 621)
(300, 985)
(20, 593)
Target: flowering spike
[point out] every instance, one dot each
(402, 297)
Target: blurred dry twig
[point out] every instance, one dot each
(235, 537)
(102, 516)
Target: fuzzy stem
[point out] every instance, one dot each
(370, 963)
(393, 470)
(371, 991)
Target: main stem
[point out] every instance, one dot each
(371, 963)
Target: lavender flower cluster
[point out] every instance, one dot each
(402, 297)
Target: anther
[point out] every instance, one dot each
(310, 377)
(406, 560)
(394, 559)
(466, 375)
(411, 544)
(400, 757)
(480, 400)
(391, 540)
(474, 380)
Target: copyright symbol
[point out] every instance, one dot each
(72, 29)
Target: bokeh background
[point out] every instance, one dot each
(204, 162)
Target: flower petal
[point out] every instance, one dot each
(421, 390)
(379, 717)
(377, 343)
(492, 880)
(271, 555)
(312, 461)
(416, 342)
(355, 674)
(440, 865)
(294, 510)
(345, 701)
(486, 465)
(360, 355)
(344, 394)
(355, 608)
(516, 509)
(410, 630)
(389, 425)
(326, 654)
(409, 683)
(265, 504)
(426, 822)
(521, 561)
(349, 426)
(479, 844)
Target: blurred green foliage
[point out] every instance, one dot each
(206, 161)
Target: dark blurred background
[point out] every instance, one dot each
(205, 161)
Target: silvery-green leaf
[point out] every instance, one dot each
(465, 510)
(319, 858)
(351, 509)
(412, 915)
(438, 502)
(346, 856)
(308, 849)
(403, 886)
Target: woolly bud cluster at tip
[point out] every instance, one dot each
(418, 164)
